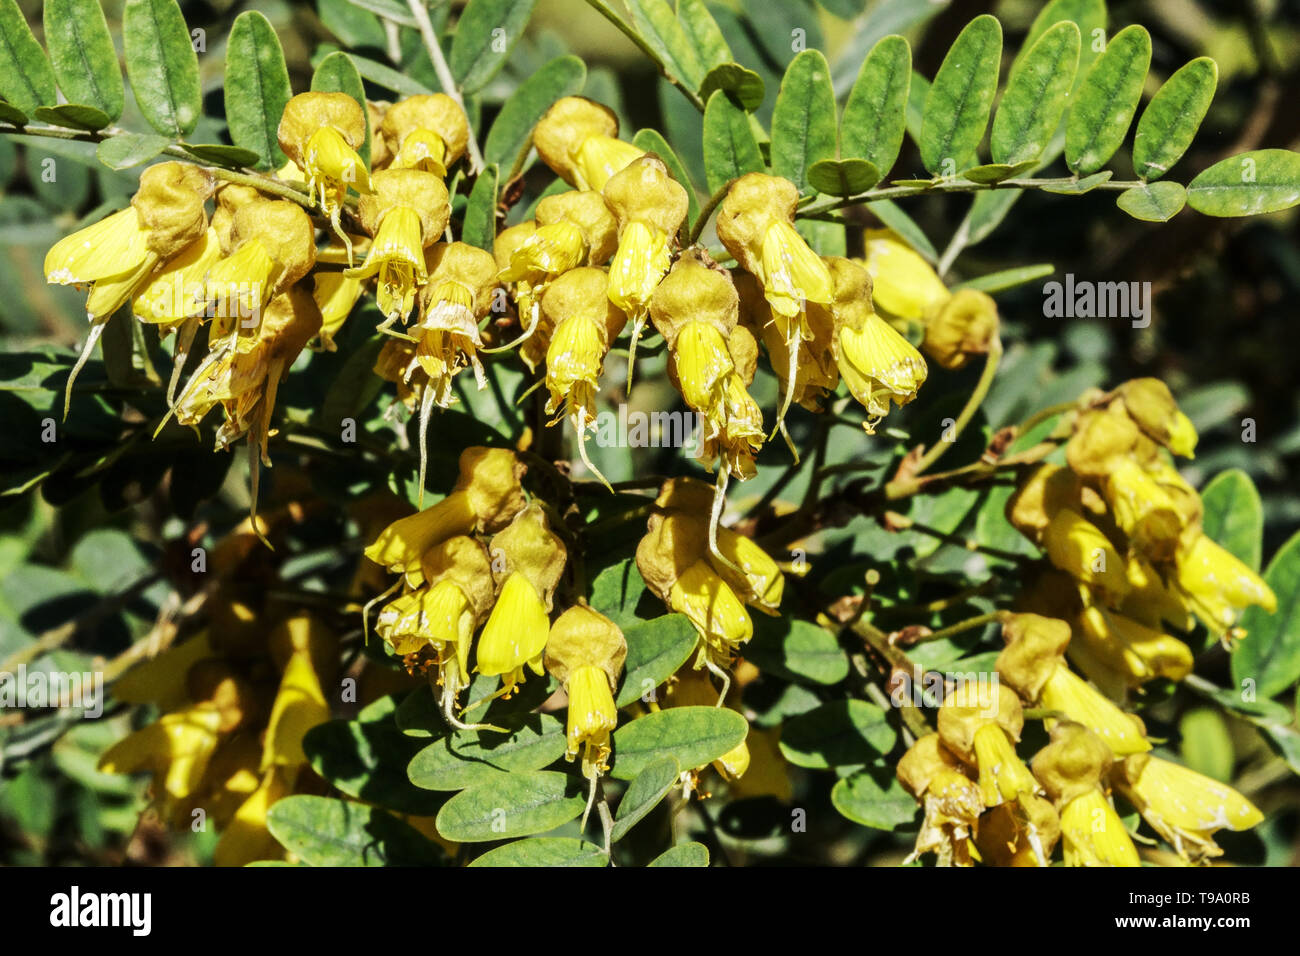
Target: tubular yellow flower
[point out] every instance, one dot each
(760, 583)
(1183, 806)
(321, 133)
(402, 545)
(1080, 549)
(1151, 405)
(713, 607)
(336, 295)
(406, 213)
(246, 838)
(177, 292)
(1217, 585)
(298, 707)
(1021, 833)
(1033, 665)
(1130, 648)
(515, 633)
(980, 722)
(880, 367)
(117, 256)
(904, 286)
(428, 132)
(462, 279)
(586, 651)
(1070, 769)
(964, 326)
(578, 139)
(951, 800)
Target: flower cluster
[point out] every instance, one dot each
(983, 803)
(1122, 532)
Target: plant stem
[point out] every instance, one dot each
(707, 211)
(973, 403)
(448, 82)
(947, 186)
(612, 16)
(904, 523)
(961, 626)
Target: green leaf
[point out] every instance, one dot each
(1269, 654)
(485, 34)
(162, 65)
(616, 592)
(893, 216)
(512, 805)
(471, 757)
(803, 121)
(1009, 278)
(510, 132)
(394, 10)
(797, 650)
(957, 106)
(12, 115)
(658, 26)
(337, 73)
(684, 854)
(367, 759)
(1088, 15)
(746, 86)
(353, 25)
(545, 852)
(73, 116)
(1037, 91)
(655, 651)
(730, 150)
(327, 832)
(842, 177)
(1157, 202)
(1106, 101)
(643, 795)
(1172, 118)
(863, 800)
(257, 88)
(694, 735)
(1080, 186)
(26, 77)
(480, 223)
(841, 733)
(987, 212)
(81, 51)
(388, 78)
(705, 38)
(1234, 515)
(219, 154)
(652, 141)
(1248, 184)
(996, 172)
(876, 110)
(130, 149)
(1206, 743)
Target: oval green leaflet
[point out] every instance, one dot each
(695, 736)
(1104, 105)
(875, 113)
(957, 107)
(257, 87)
(1172, 118)
(81, 51)
(1036, 96)
(512, 805)
(162, 65)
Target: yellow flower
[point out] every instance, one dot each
(1033, 665)
(246, 838)
(175, 749)
(713, 607)
(1130, 648)
(462, 280)
(1217, 585)
(1070, 769)
(880, 367)
(515, 633)
(177, 292)
(1151, 405)
(1023, 832)
(586, 651)
(161, 680)
(298, 707)
(428, 132)
(904, 286)
(401, 546)
(951, 800)
(336, 295)
(1183, 806)
(406, 213)
(964, 326)
(321, 133)
(980, 722)
(578, 140)
(117, 256)
(1080, 549)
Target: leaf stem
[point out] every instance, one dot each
(448, 82)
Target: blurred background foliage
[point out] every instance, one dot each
(87, 523)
